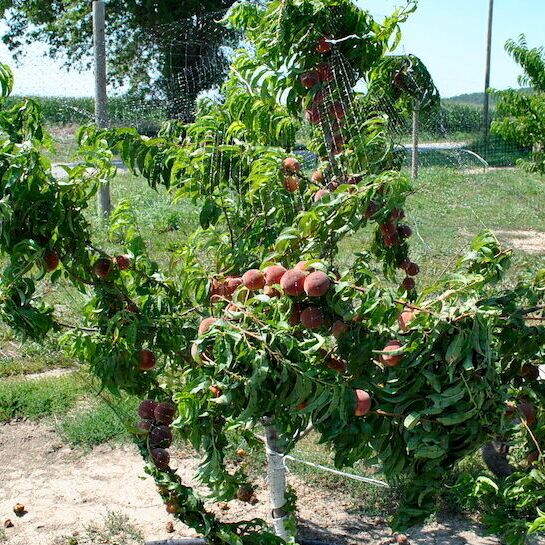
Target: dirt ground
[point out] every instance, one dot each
(65, 490)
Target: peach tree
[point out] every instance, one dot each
(260, 319)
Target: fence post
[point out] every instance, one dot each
(416, 123)
(277, 478)
(101, 97)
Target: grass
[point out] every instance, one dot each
(115, 529)
(98, 422)
(32, 399)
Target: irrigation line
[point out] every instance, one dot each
(367, 480)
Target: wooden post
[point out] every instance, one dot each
(101, 97)
(486, 105)
(276, 471)
(416, 123)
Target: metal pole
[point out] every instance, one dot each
(416, 123)
(486, 105)
(101, 97)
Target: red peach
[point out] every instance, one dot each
(312, 115)
(51, 260)
(405, 318)
(325, 72)
(291, 165)
(363, 403)
(312, 318)
(337, 110)
(323, 46)
(408, 283)
(316, 284)
(102, 267)
(310, 79)
(529, 412)
(389, 359)
(291, 183)
(253, 279)
(146, 409)
(206, 324)
(123, 262)
(320, 194)
(146, 360)
(161, 458)
(412, 269)
(405, 231)
(161, 436)
(164, 412)
(318, 177)
(336, 364)
(231, 284)
(292, 282)
(215, 391)
(339, 328)
(273, 274)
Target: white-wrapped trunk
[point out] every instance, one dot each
(276, 471)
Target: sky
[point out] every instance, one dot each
(448, 35)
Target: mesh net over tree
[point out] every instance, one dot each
(257, 322)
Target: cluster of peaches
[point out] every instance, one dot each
(305, 283)
(321, 109)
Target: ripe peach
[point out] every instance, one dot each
(408, 283)
(303, 266)
(161, 458)
(273, 274)
(363, 403)
(51, 260)
(123, 262)
(146, 360)
(320, 194)
(390, 240)
(291, 165)
(172, 507)
(312, 318)
(231, 284)
(146, 409)
(102, 267)
(529, 412)
(312, 115)
(310, 79)
(215, 390)
(336, 364)
(161, 436)
(339, 328)
(325, 72)
(412, 269)
(318, 177)
(253, 279)
(405, 231)
(316, 284)
(388, 229)
(532, 458)
(371, 210)
(292, 282)
(319, 98)
(323, 46)
(337, 110)
(206, 324)
(291, 183)
(144, 426)
(405, 318)
(529, 372)
(389, 359)
(164, 412)
(397, 214)
(295, 316)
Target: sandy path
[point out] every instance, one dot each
(65, 490)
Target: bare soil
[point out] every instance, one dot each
(65, 490)
(531, 242)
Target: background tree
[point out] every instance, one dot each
(153, 46)
(521, 116)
